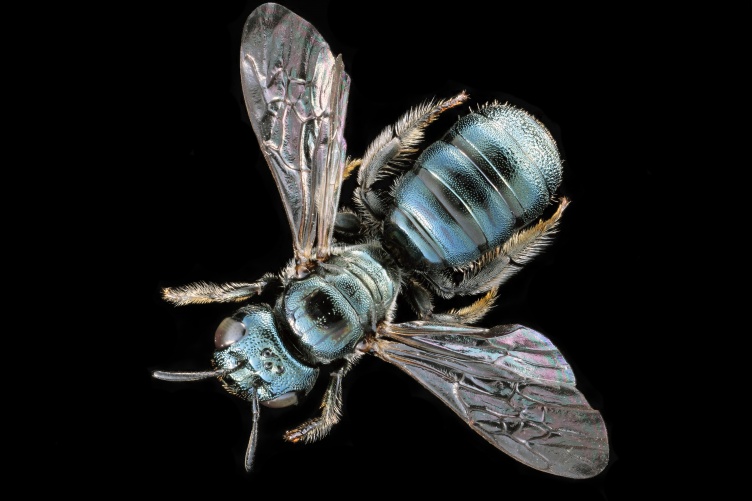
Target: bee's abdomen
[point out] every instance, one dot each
(492, 173)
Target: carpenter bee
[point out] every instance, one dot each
(458, 220)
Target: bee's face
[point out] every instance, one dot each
(249, 347)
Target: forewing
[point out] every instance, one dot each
(511, 385)
(328, 180)
(296, 96)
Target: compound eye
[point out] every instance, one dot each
(228, 333)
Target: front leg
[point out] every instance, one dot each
(331, 409)
(204, 292)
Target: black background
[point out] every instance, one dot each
(179, 192)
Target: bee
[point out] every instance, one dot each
(457, 221)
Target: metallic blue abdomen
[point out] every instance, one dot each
(493, 172)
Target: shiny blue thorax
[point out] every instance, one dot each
(341, 301)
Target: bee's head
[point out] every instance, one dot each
(252, 362)
(250, 354)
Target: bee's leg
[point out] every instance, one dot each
(348, 226)
(498, 264)
(350, 167)
(469, 314)
(420, 298)
(203, 292)
(389, 152)
(331, 409)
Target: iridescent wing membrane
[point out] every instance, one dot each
(296, 96)
(511, 385)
